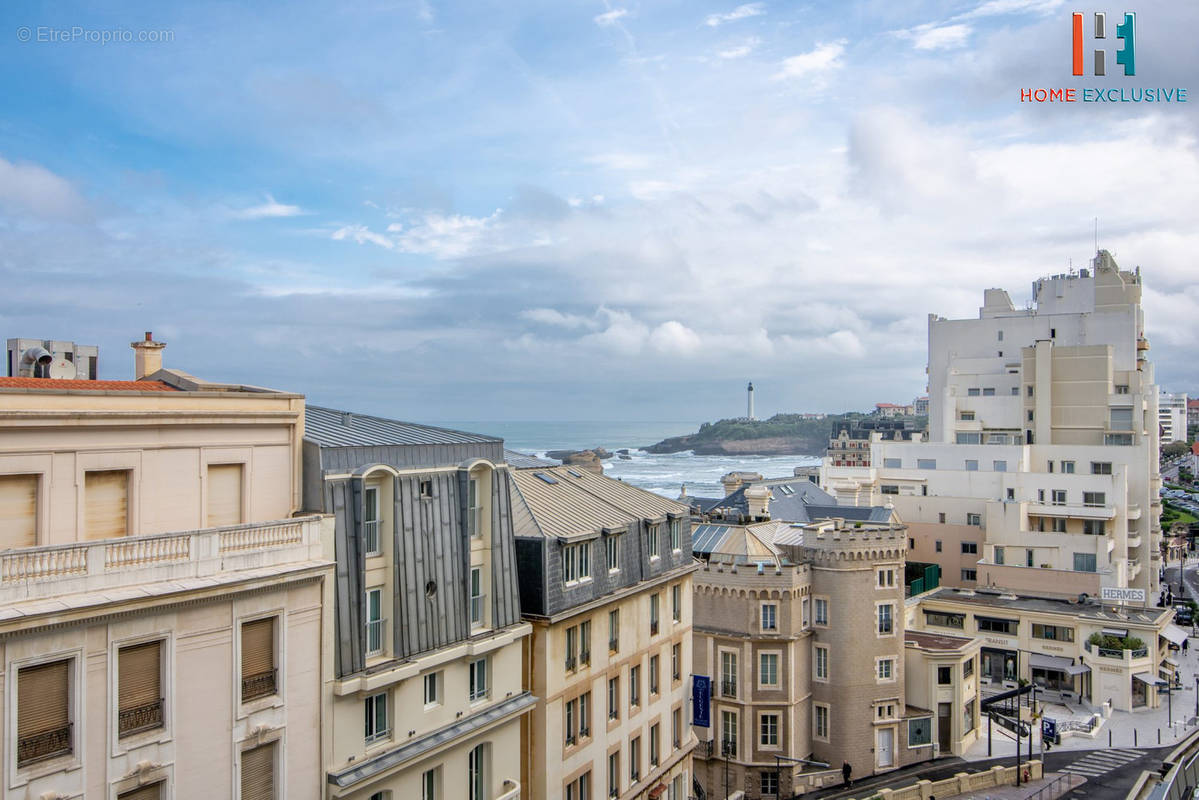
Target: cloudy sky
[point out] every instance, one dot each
(576, 210)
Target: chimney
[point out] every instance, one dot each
(757, 501)
(147, 356)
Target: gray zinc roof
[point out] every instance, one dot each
(525, 461)
(800, 500)
(332, 428)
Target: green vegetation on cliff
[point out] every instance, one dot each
(782, 434)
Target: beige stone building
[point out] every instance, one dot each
(160, 602)
(606, 582)
(943, 677)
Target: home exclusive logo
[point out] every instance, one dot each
(1126, 36)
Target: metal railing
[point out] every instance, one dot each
(141, 718)
(570, 663)
(43, 745)
(476, 610)
(653, 628)
(1055, 788)
(585, 658)
(728, 688)
(374, 637)
(260, 685)
(370, 537)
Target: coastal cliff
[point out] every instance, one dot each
(782, 434)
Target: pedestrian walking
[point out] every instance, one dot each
(846, 771)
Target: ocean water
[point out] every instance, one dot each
(664, 473)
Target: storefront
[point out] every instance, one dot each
(1000, 665)
(1059, 674)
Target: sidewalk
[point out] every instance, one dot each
(1052, 786)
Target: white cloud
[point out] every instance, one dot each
(447, 235)
(675, 338)
(552, 316)
(611, 17)
(740, 12)
(269, 210)
(626, 161)
(994, 8)
(362, 235)
(28, 189)
(822, 58)
(944, 37)
(741, 50)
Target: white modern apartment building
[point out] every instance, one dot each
(1172, 416)
(1039, 472)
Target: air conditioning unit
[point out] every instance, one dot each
(47, 358)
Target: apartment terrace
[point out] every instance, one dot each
(56, 579)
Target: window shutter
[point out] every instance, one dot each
(140, 675)
(257, 647)
(152, 791)
(18, 511)
(224, 494)
(106, 504)
(42, 698)
(258, 773)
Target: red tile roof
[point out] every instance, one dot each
(93, 386)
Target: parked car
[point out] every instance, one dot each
(1183, 616)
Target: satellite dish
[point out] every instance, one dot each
(62, 369)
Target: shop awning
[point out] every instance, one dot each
(1170, 661)
(1056, 663)
(1147, 678)
(1175, 634)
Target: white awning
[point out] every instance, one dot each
(1170, 661)
(1147, 678)
(1042, 661)
(1175, 634)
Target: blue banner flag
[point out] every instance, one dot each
(701, 701)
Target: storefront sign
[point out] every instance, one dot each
(1112, 594)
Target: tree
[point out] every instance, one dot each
(1175, 449)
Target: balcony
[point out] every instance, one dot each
(43, 745)
(263, 684)
(36, 573)
(1072, 511)
(728, 688)
(571, 663)
(1134, 568)
(370, 537)
(1134, 511)
(1121, 655)
(143, 718)
(374, 637)
(511, 791)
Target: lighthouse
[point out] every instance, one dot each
(750, 402)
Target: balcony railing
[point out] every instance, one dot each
(728, 748)
(34, 572)
(613, 645)
(141, 718)
(370, 537)
(571, 663)
(374, 637)
(728, 688)
(476, 610)
(585, 658)
(262, 684)
(43, 745)
(474, 522)
(511, 791)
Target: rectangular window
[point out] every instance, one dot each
(1094, 499)
(258, 659)
(926, 463)
(966, 437)
(821, 607)
(612, 551)
(478, 680)
(676, 728)
(768, 730)
(653, 614)
(614, 630)
(973, 392)
(820, 721)
(476, 772)
(988, 391)
(968, 716)
(426, 490)
(476, 597)
(944, 676)
(614, 698)
(885, 623)
(674, 535)
(970, 548)
(945, 619)
(966, 416)
(139, 688)
(968, 668)
(654, 750)
(969, 574)
(106, 504)
(1094, 527)
(770, 617)
(728, 673)
(1121, 419)
(804, 616)
(258, 772)
(376, 718)
(768, 669)
(655, 534)
(571, 712)
(572, 647)
(1101, 468)
(728, 734)
(44, 727)
(1011, 493)
(999, 555)
(1067, 467)
(1059, 525)
(821, 662)
(972, 465)
(889, 488)
(676, 662)
(892, 463)
(370, 521)
(585, 642)
(1053, 633)
(676, 603)
(1059, 497)
(654, 665)
(974, 519)
(1117, 439)
(886, 578)
(432, 688)
(920, 731)
(886, 669)
(18, 511)
(634, 686)
(1084, 562)
(474, 509)
(224, 495)
(428, 785)
(614, 774)
(374, 622)
(576, 562)
(997, 625)
(635, 759)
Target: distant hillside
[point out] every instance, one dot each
(782, 434)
